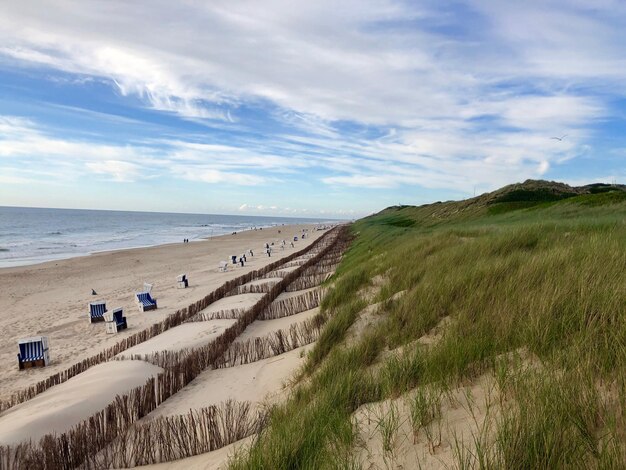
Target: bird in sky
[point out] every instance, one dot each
(559, 138)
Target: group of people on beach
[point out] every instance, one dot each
(185, 240)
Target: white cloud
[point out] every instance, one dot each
(383, 97)
(118, 170)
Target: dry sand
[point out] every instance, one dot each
(61, 407)
(295, 293)
(260, 282)
(260, 328)
(187, 335)
(232, 303)
(282, 271)
(215, 460)
(255, 382)
(51, 298)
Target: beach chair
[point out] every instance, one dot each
(97, 311)
(33, 352)
(182, 282)
(223, 266)
(145, 301)
(115, 321)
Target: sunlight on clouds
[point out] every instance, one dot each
(362, 94)
(122, 172)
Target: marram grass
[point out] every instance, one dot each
(549, 279)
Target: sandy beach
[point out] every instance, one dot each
(52, 298)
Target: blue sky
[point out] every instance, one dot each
(298, 108)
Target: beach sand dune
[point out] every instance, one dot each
(261, 328)
(215, 460)
(254, 382)
(295, 293)
(260, 282)
(61, 407)
(187, 335)
(51, 298)
(230, 307)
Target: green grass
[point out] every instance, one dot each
(550, 278)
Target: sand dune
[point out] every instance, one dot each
(231, 306)
(267, 280)
(216, 460)
(260, 328)
(67, 404)
(296, 293)
(253, 382)
(187, 335)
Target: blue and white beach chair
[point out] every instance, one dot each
(97, 311)
(116, 321)
(145, 301)
(33, 352)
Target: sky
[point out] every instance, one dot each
(301, 108)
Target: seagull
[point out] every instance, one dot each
(559, 138)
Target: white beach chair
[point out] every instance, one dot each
(181, 281)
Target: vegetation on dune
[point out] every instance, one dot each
(548, 278)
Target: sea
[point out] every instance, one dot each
(34, 235)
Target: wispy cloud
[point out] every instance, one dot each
(370, 94)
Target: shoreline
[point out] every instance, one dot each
(67, 256)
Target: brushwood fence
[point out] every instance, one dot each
(307, 282)
(81, 446)
(175, 437)
(272, 344)
(256, 288)
(294, 304)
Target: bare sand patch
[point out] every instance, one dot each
(260, 282)
(187, 335)
(61, 407)
(231, 306)
(296, 293)
(215, 460)
(261, 328)
(254, 382)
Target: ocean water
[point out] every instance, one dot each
(30, 235)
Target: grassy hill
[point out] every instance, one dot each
(523, 289)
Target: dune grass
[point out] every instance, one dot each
(549, 279)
